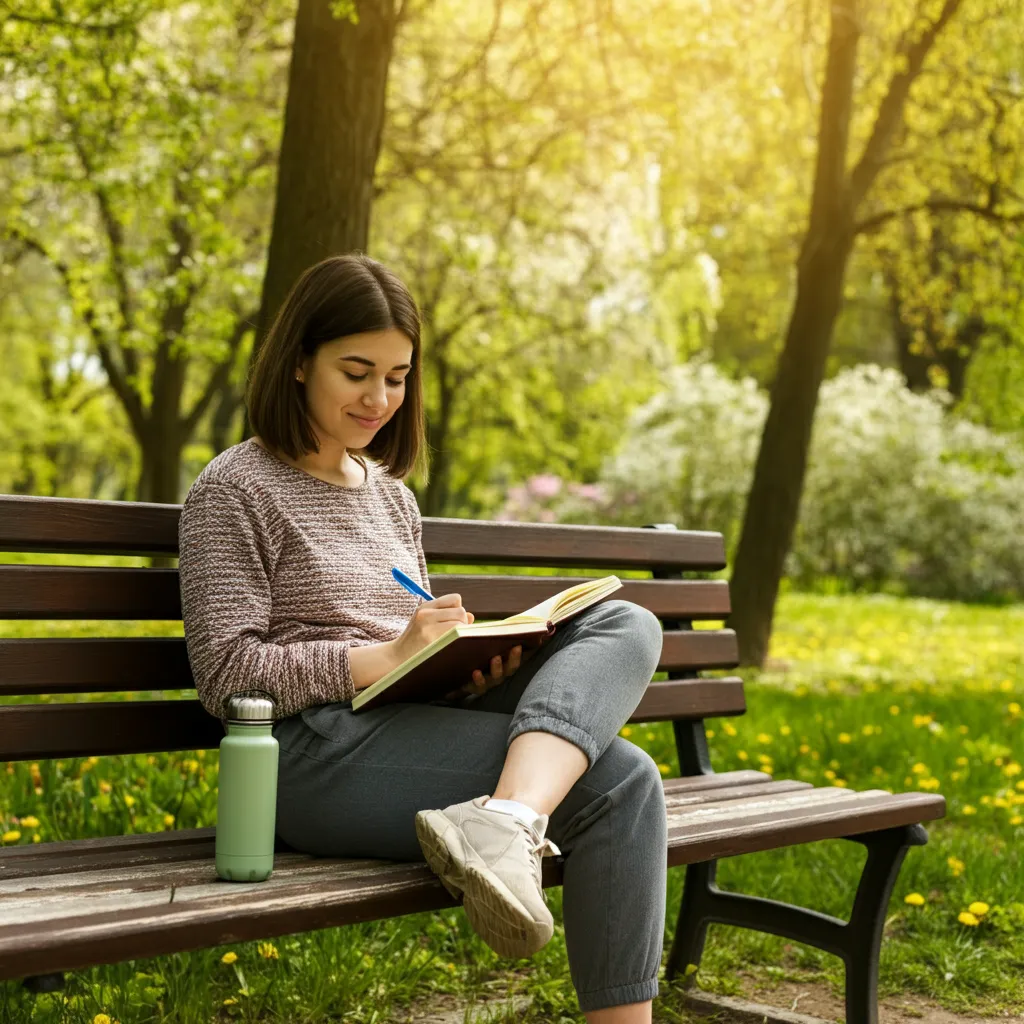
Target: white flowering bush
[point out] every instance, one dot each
(899, 492)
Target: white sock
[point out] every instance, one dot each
(513, 807)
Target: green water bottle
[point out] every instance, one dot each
(247, 793)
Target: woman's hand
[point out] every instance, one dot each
(500, 671)
(429, 621)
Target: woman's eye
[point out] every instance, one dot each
(393, 383)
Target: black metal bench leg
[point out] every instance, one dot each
(863, 933)
(692, 924)
(37, 983)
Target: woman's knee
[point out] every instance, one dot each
(639, 624)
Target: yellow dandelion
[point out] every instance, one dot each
(710, 733)
(804, 748)
(229, 958)
(963, 730)
(868, 730)
(268, 951)
(101, 1018)
(105, 786)
(742, 755)
(664, 769)
(967, 918)
(915, 899)
(922, 720)
(729, 729)
(1016, 820)
(30, 821)
(626, 731)
(129, 800)
(764, 737)
(765, 758)
(969, 809)
(956, 866)
(1011, 769)
(978, 909)
(784, 730)
(168, 820)
(829, 774)
(1006, 686)
(1020, 785)
(230, 1001)
(963, 762)
(10, 837)
(920, 769)
(1013, 708)
(844, 737)
(894, 709)
(841, 783)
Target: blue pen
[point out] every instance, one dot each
(411, 585)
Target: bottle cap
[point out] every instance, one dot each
(254, 710)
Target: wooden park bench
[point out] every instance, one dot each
(71, 904)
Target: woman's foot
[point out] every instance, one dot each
(492, 861)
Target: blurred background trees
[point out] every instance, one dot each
(602, 210)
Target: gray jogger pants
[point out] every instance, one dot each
(350, 784)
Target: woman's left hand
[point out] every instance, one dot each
(500, 671)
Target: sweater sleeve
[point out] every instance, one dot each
(223, 571)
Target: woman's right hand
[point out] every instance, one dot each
(429, 621)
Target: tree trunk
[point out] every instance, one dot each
(774, 500)
(773, 503)
(334, 118)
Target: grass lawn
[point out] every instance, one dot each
(867, 692)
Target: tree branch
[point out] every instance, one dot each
(890, 111)
(105, 349)
(873, 223)
(219, 377)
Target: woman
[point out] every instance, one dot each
(287, 541)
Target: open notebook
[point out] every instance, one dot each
(449, 661)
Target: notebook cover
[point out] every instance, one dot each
(453, 666)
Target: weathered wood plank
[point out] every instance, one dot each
(37, 732)
(133, 664)
(131, 593)
(88, 526)
(235, 912)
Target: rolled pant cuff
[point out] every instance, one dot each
(620, 995)
(568, 731)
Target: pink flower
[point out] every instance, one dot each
(593, 492)
(546, 515)
(544, 485)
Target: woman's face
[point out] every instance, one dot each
(341, 385)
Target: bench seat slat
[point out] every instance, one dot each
(85, 728)
(68, 923)
(132, 593)
(55, 877)
(90, 526)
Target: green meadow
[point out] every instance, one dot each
(871, 692)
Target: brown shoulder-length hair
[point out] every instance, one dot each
(341, 295)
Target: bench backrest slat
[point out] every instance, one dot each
(144, 664)
(102, 592)
(150, 666)
(39, 731)
(126, 527)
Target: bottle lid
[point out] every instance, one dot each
(250, 709)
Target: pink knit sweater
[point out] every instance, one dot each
(281, 573)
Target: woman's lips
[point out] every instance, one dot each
(366, 423)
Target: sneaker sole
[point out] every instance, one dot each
(496, 914)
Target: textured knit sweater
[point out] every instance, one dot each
(282, 572)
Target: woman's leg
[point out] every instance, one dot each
(611, 826)
(351, 784)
